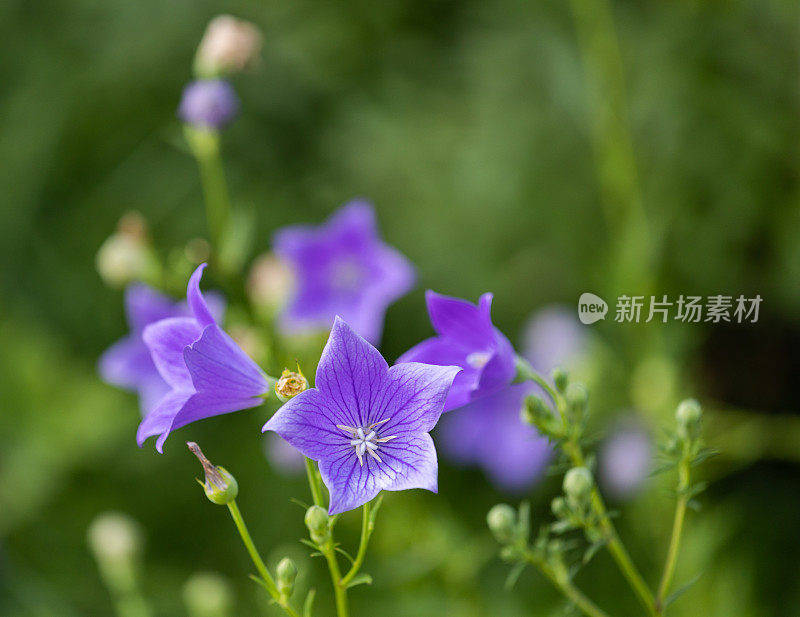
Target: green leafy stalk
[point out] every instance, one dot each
(677, 530)
(566, 587)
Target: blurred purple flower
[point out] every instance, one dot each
(553, 337)
(342, 268)
(467, 339)
(208, 103)
(365, 423)
(488, 432)
(127, 363)
(625, 459)
(207, 372)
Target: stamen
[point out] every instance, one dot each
(366, 440)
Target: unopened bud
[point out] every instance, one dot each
(220, 486)
(577, 398)
(559, 507)
(228, 46)
(287, 573)
(502, 522)
(207, 594)
(126, 256)
(270, 282)
(290, 384)
(688, 416)
(114, 537)
(578, 484)
(316, 520)
(535, 410)
(560, 379)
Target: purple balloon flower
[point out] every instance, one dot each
(127, 363)
(365, 423)
(208, 103)
(467, 339)
(207, 372)
(342, 268)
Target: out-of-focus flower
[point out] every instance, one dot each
(207, 372)
(208, 104)
(342, 268)
(625, 459)
(127, 363)
(283, 457)
(487, 430)
(554, 337)
(365, 423)
(229, 45)
(270, 283)
(467, 339)
(488, 433)
(126, 255)
(114, 537)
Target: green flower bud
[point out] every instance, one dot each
(220, 486)
(207, 594)
(688, 416)
(560, 379)
(502, 522)
(578, 484)
(535, 411)
(290, 384)
(287, 573)
(317, 522)
(559, 507)
(577, 398)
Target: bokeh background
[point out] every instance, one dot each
(534, 149)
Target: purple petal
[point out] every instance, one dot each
(442, 351)
(144, 305)
(409, 462)
(159, 421)
(350, 372)
(349, 483)
(126, 363)
(308, 422)
(461, 321)
(354, 225)
(500, 369)
(195, 299)
(166, 340)
(414, 396)
(216, 363)
(202, 405)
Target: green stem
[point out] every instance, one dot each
(366, 532)
(313, 482)
(263, 572)
(568, 589)
(677, 530)
(205, 145)
(339, 591)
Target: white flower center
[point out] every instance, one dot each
(365, 440)
(478, 359)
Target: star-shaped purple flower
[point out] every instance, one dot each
(127, 363)
(342, 268)
(207, 372)
(365, 423)
(467, 339)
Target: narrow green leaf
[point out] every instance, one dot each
(513, 575)
(308, 605)
(360, 579)
(681, 590)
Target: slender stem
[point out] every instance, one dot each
(366, 532)
(525, 372)
(313, 482)
(677, 530)
(339, 590)
(263, 572)
(567, 588)
(205, 145)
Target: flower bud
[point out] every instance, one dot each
(559, 507)
(290, 384)
(287, 573)
(114, 537)
(208, 104)
(228, 46)
(502, 522)
(688, 416)
(316, 520)
(560, 379)
(207, 594)
(577, 398)
(535, 411)
(270, 282)
(578, 484)
(126, 256)
(220, 486)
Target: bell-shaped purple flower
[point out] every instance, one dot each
(208, 374)
(208, 103)
(466, 338)
(342, 268)
(365, 423)
(127, 363)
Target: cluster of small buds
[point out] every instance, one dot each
(219, 486)
(574, 510)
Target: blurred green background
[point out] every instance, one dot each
(534, 149)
